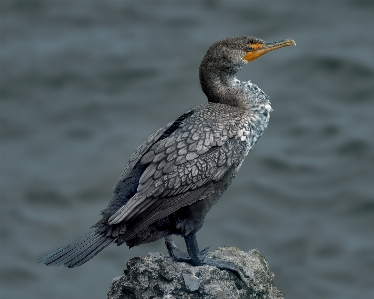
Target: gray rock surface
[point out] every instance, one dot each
(158, 276)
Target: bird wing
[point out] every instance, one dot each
(180, 188)
(127, 184)
(184, 167)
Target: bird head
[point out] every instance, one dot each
(223, 61)
(230, 54)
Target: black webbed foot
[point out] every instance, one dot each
(179, 255)
(196, 257)
(174, 252)
(221, 265)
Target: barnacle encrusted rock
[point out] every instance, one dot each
(159, 276)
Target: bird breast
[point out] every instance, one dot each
(255, 125)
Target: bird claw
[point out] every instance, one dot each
(220, 264)
(181, 256)
(175, 253)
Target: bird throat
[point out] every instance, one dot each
(251, 95)
(231, 91)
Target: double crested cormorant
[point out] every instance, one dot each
(175, 177)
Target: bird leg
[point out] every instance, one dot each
(177, 254)
(199, 258)
(196, 257)
(174, 252)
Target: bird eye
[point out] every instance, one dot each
(249, 48)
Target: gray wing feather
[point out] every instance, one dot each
(142, 149)
(126, 180)
(160, 209)
(183, 180)
(182, 166)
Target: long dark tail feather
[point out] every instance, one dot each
(77, 252)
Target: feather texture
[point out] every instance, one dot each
(184, 162)
(78, 251)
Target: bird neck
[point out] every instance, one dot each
(221, 86)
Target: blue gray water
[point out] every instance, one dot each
(83, 83)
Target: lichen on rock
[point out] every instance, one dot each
(159, 276)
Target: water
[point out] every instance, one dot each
(84, 83)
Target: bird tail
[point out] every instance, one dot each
(77, 252)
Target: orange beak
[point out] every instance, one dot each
(257, 50)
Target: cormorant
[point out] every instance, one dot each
(175, 177)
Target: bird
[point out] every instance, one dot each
(178, 173)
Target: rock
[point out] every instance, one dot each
(159, 276)
(191, 281)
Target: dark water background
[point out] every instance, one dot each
(83, 83)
